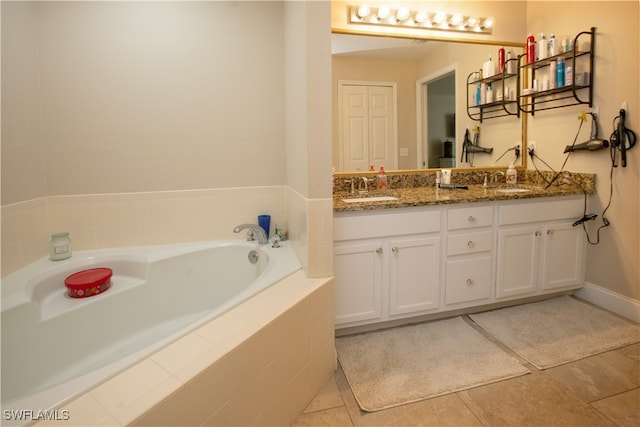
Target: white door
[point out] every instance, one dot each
(367, 126)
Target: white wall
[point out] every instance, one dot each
(613, 264)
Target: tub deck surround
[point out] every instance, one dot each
(418, 189)
(177, 288)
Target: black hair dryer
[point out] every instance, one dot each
(594, 143)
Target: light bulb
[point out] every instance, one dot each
(488, 22)
(440, 17)
(420, 17)
(383, 13)
(403, 14)
(363, 11)
(456, 19)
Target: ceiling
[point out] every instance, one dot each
(379, 47)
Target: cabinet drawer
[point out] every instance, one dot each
(383, 225)
(470, 243)
(477, 216)
(522, 213)
(468, 280)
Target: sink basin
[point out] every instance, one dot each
(370, 199)
(513, 190)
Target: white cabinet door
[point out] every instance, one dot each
(518, 260)
(414, 274)
(562, 254)
(358, 281)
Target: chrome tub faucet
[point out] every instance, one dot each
(254, 231)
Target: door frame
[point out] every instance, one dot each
(422, 153)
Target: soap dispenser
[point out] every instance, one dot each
(382, 179)
(512, 175)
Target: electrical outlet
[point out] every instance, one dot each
(404, 152)
(531, 147)
(624, 106)
(595, 110)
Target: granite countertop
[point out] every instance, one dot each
(429, 196)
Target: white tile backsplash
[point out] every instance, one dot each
(133, 219)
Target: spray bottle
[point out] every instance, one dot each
(382, 179)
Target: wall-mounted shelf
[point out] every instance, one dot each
(579, 91)
(498, 107)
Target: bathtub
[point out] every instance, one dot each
(55, 347)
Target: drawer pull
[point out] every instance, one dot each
(471, 218)
(549, 232)
(394, 250)
(379, 251)
(469, 282)
(537, 233)
(470, 243)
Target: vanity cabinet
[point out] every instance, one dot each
(408, 262)
(386, 266)
(539, 250)
(470, 244)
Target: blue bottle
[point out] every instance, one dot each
(560, 72)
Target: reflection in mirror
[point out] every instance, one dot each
(426, 124)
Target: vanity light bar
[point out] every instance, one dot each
(407, 18)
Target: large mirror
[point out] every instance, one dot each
(403, 104)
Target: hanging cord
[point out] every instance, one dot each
(586, 217)
(557, 175)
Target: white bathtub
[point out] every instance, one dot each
(55, 347)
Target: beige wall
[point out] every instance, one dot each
(139, 96)
(614, 263)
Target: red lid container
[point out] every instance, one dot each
(89, 282)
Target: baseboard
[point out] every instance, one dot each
(619, 304)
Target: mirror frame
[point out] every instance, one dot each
(523, 116)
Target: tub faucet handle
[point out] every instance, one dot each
(254, 231)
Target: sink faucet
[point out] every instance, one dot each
(495, 174)
(254, 230)
(364, 185)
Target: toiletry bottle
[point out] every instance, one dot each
(512, 175)
(488, 68)
(382, 179)
(531, 49)
(568, 76)
(560, 73)
(542, 47)
(553, 48)
(509, 63)
(437, 179)
(479, 94)
(489, 94)
(553, 75)
(501, 60)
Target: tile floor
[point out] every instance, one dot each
(602, 390)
